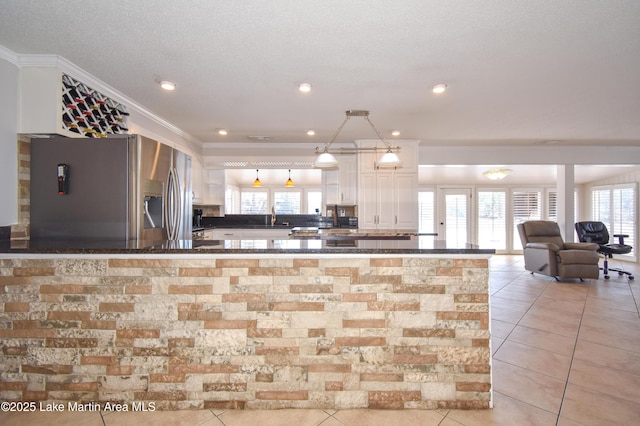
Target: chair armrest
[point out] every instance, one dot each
(581, 246)
(543, 246)
(621, 238)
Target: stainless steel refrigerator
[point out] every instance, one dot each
(125, 187)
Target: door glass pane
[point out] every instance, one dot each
(492, 221)
(456, 216)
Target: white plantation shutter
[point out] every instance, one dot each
(601, 206)
(624, 214)
(253, 202)
(615, 206)
(426, 211)
(456, 219)
(527, 205)
(288, 202)
(552, 206)
(492, 219)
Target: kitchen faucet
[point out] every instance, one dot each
(273, 216)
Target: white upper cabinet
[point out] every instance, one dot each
(388, 198)
(214, 187)
(341, 185)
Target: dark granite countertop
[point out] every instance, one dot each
(277, 226)
(305, 233)
(415, 245)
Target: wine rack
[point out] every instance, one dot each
(89, 113)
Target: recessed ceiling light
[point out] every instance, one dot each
(223, 132)
(395, 133)
(311, 132)
(167, 85)
(304, 87)
(439, 88)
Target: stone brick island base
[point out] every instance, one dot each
(263, 332)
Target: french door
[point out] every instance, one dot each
(454, 224)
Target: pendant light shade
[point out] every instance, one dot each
(389, 160)
(289, 183)
(326, 160)
(257, 182)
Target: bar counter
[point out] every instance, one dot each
(339, 245)
(253, 324)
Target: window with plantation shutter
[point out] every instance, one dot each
(426, 211)
(624, 213)
(552, 206)
(615, 206)
(527, 205)
(492, 219)
(287, 202)
(253, 202)
(601, 206)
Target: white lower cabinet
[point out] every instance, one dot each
(265, 234)
(388, 200)
(246, 234)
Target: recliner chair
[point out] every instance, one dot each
(545, 252)
(597, 232)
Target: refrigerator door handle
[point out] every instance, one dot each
(173, 205)
(177, 199)
(167, 205)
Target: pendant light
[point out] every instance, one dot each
(289, 183)
(257, 182)
(326, 160)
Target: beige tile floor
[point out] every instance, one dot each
(564, 353)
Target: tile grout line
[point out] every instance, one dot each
(548, 284)
(330, 416)
(573, 354)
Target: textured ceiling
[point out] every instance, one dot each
(519, 71)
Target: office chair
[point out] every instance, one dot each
(596, 232)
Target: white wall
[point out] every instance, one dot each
(8, 143)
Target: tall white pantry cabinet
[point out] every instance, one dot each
(388, 198)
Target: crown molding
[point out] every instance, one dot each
(8, 55)
(67, 67)
(292, 146)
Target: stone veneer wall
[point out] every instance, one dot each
(265, 332)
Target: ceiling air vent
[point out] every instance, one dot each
(260, 138)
